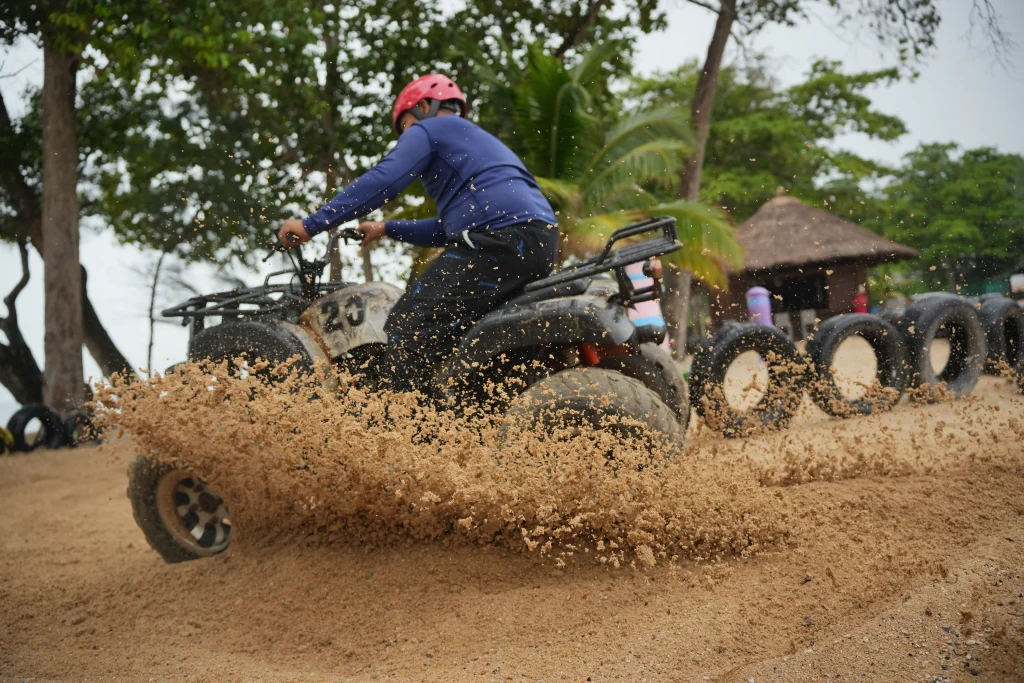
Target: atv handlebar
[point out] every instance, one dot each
(345, 233)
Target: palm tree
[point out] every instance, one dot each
(602, 177)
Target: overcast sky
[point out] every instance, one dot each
(960, 96)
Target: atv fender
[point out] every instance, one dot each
(273, 340)
(565, 321)
(351, 317)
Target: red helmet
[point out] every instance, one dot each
(436, 87)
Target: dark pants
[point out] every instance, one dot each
(458, 288)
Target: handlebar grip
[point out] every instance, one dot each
(350, 234)
(276, 245)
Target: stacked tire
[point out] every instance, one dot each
(890, 359)
(36, 426)
(922, 323)
(783, 393)
(1003, 321)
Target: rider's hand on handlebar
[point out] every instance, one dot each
(372, 231)
(292, 233)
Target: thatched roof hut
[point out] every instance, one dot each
(786, 233)
(813, 263)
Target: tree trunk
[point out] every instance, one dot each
(677, 294)
(332, 81)
(364, 254)
(25, 201)
(62, 281)
(675, 306)
(152, 307)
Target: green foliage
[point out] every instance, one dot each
(599, 173)
(201, 123)
(764, 136)
(963, 211)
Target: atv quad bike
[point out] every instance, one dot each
(563, 350)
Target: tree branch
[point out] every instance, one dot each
(574, 34)
(19, 372)
(698, 3)
(26, 66)
(983, 13)
(747, 28)
(9, 300)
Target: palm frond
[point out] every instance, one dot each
(589, 233)
(558, 190)
(669, 123)
(657, 161)
(482, 62)
(628, 197)
(588, 68)
(709, 242)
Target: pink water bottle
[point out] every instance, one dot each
(645, 312)
(759, 305)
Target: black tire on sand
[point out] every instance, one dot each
(782, 396)
(886, 342)
(1003, 320)
(79, 428)
(49, 435)
(922, 324)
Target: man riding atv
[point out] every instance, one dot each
(557, 353)
(499, 231)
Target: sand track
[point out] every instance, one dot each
(895, 568)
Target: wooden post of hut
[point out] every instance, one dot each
(811, 261)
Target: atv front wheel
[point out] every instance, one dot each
(181, 516)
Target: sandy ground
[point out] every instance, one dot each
(887, 573)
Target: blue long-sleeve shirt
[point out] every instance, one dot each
(476, 181)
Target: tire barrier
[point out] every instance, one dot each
(79, 429)
(50, 433)
(890, 377)
(782, 395)
(984, 334)
(1003, 321)
(921, 325)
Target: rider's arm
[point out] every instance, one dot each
(377, 186)
(426, 232)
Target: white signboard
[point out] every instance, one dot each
(1017, 283)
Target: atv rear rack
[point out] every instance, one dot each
(618, 259)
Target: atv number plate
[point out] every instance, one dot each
(352, 316)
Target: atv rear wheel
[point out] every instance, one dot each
(655, 368)
(181, 516)
(598, 399)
